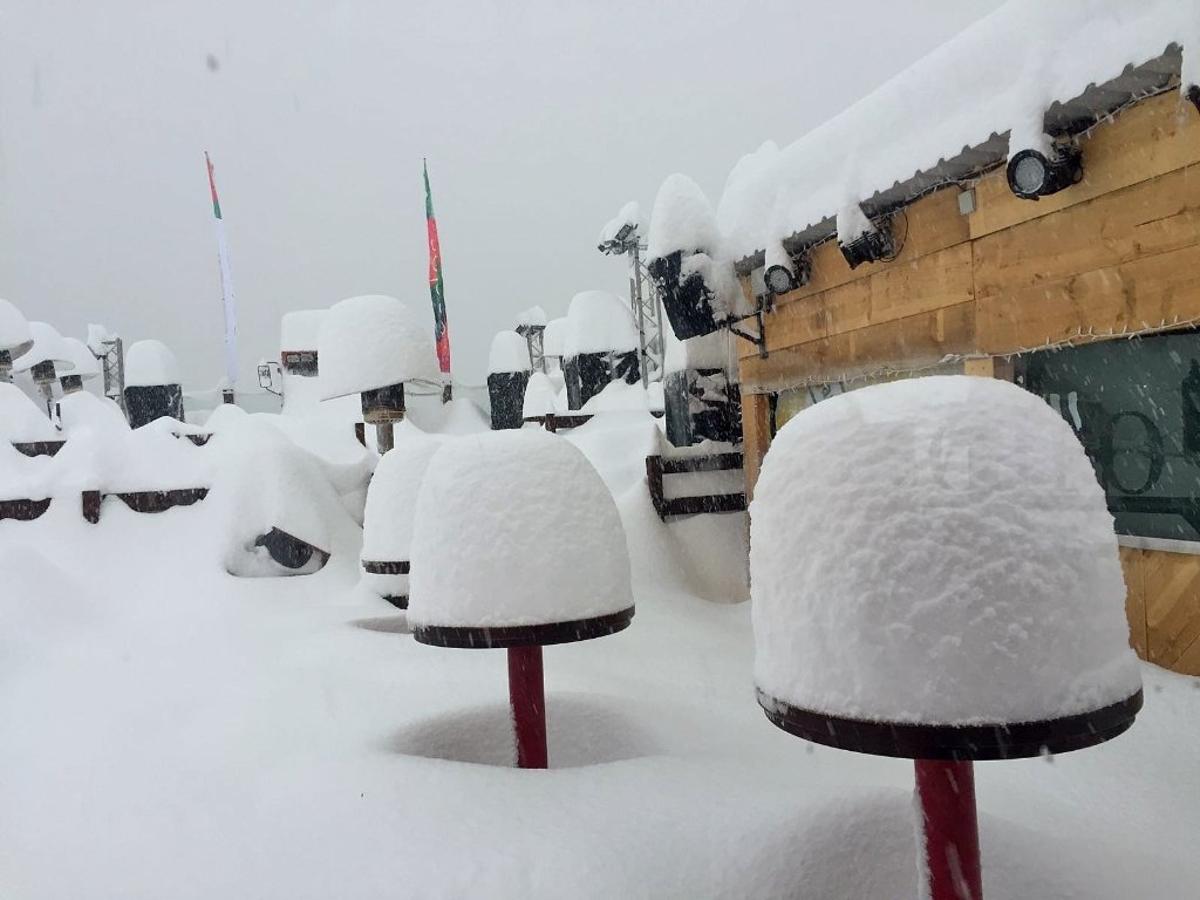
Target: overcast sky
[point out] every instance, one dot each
(539, 119)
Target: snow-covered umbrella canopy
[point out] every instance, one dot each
(15, 337)
(509, 353)
(150, 363)
(371, 342)
(936, 551)
(598, 322)
(515, 528)
(541, 398)
(84, 364)
(48, 347)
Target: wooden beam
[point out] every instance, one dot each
(1152, 138)
(756, 436)
(1135, 598)
(912, 342)
(1172, 597)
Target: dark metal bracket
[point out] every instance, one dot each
(758, 340)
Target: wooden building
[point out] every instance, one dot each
(1045, 293)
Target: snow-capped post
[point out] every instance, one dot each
(372, 345)
(152, 386)
(388, 517)
(84, 366)
(47, 358)
(15, 338)
(600, 346)
(934, 575)
(531, 325)
(508, 374)
(490, 572)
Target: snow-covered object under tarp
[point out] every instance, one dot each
(150, 363)
(515, 528)
(540, 395)
(936, 551)
(391, 505)
(996, 76)
(83, 364)
(48, 346)
(15, 337)
(372, 342)
(21, 421)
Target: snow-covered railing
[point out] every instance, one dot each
(657, 467)
(23, 509)
(142, 501)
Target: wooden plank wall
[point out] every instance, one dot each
(1118, 252)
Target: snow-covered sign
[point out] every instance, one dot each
(372, 342)
(936, 550)
(150, 363)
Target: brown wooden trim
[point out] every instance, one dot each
(23, 509)
(161, 501)
(385, 566)
(38, 448)
(657, 466)
(524, 635)
(1000, 740)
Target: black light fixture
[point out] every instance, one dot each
(1193, 94)
(780, 278)
(870, 246)
(1032, 174)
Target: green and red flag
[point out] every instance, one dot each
(437, 287)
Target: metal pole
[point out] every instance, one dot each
(527, 696)
(950, 829)
(385, 437)
(635, 287)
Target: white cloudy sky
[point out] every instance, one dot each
(539, 118)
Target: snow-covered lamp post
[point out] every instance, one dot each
(508, 373)
(934, 576)
(45, 360)
(15, 338)
(388, 516)
(372, 345)
(517, 544)
(84, 366)
(152, 385)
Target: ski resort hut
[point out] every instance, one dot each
(298, 332)
(508, 374)
(152, 387)
(1008, 227)
(600, 346)
(84, 366)
(15, 338)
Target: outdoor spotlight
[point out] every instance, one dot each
(1031, 174)
(43, 373)
(870, 246)
(623, 234)
(1193, 94)
(781, 279)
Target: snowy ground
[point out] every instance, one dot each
(173, 731)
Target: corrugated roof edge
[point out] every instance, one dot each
(1062, 118)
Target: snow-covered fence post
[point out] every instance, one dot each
(934, 576)
(490, 574)
(508, 375)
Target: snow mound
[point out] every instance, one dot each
(509, 353)
(554, 337)
(150, 363)
(82, 410)
(515, 528)
(15, 336)
(371, 342)
(48, 346)
(540, 396)
(392, 497)
(84, 363)
(618, 395)
(936, 550)
(682, 220)
(21, 421)
(597, 322)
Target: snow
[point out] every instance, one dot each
(82, 361)
(1021, 58)
(14, 330)
(654, 396)
(373, 341)
(48, 345)
(936, 550)
(682, 220)
(97, 337)
(149, 363)
(509, 353)
(298, 329)
(534, 316)
(708, 351)
(276, 737)
(22, 420)
(618, 395)
(629, 214)
(540, 396)
(554, 338)
(598, 322)
(80, 410)
(515, 528)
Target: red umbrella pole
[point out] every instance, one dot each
(947, 793)
(527, 696)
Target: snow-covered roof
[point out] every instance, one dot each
(533, 316)
(373, 341)
(298, 329)
(515, 527)
(598, 321)
(509, 353)
(540, 396)
(48, 346)
(14, 330)
(1027, 69)
(85, 364)
(937, 551)
(554, 337)
(149, 363)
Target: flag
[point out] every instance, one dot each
(227, 298)
(437, 288)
